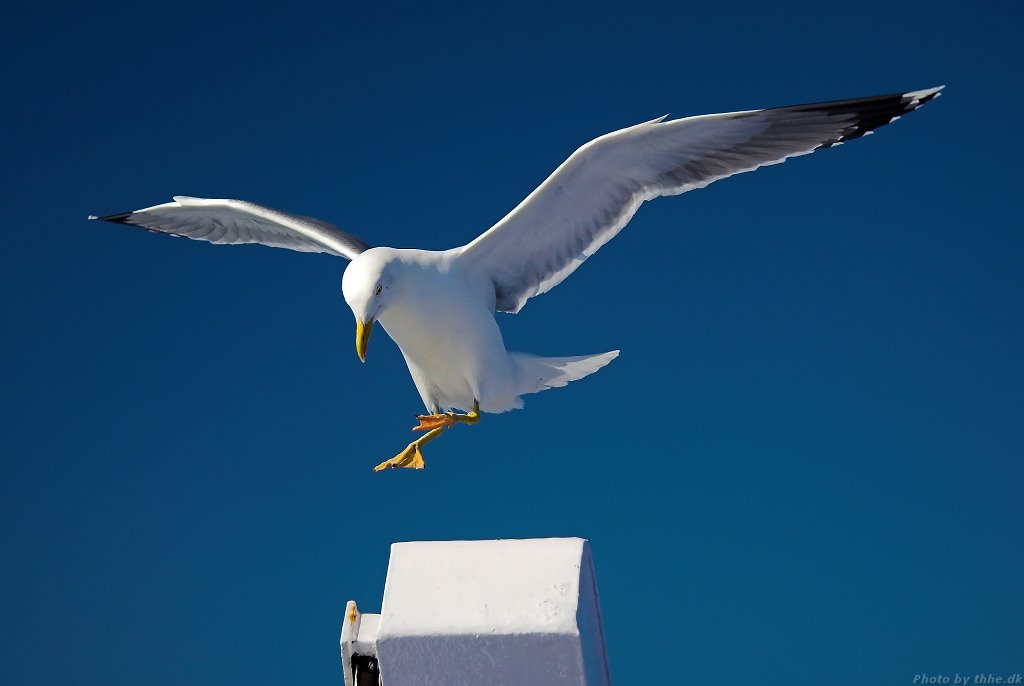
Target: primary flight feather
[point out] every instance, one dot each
(439, 306)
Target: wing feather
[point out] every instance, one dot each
(594, 193)
(239, 222)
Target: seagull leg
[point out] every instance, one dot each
(434, 425)
(429, 422)
(412, 456)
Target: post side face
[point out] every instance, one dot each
(591, 627)
(501, 660)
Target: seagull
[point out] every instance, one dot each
(439, 306)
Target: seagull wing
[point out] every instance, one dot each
(594, 193)
(238, 221)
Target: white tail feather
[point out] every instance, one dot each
(541, 373)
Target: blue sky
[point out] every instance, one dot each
(805, 467)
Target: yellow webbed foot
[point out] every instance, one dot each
(410, 458)
(429, 422)
(446, 420)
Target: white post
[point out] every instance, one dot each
(493, 613)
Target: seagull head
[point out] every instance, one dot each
(368, 286)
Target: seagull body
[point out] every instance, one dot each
(439, 306)
(443, 322)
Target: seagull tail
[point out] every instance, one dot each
(541, 373)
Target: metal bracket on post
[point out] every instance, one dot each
(359, 647)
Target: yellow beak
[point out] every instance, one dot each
(363, 338)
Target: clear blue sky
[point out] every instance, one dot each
(806, 466)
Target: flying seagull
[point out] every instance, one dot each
(439, 306)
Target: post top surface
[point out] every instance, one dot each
(483, 587)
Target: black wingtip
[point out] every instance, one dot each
(926, 95)
(119, 218)
(868, 114)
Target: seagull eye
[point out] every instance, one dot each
(380, 287)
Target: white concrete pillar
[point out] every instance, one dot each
(494, 613)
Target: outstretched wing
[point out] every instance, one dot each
(238, 221)
(595, 192)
